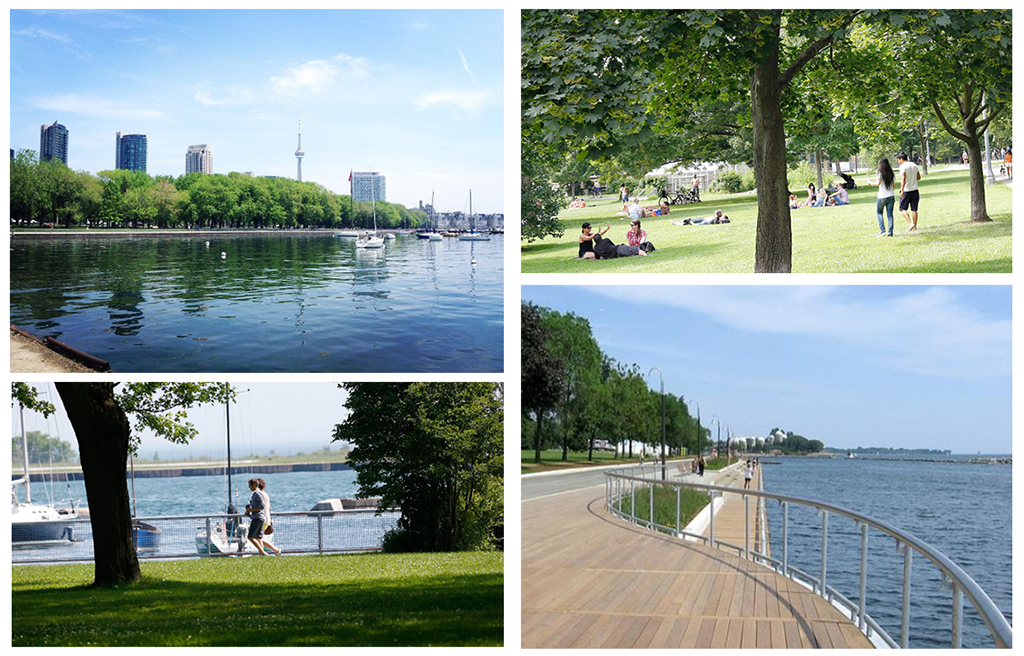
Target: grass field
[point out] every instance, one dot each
(825, 240)
(691, 502)
(551, 459)
(371, 599)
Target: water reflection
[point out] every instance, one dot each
(102, 294)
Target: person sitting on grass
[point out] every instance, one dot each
(635, 211)
(577, 204)
(812, 195)
(587, 242)
(794, 202)
(719, 217)
(636, 235)
(842, 196)
(606, 249)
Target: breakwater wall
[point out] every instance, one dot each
(216, 470)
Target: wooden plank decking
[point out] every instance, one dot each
(592, 580)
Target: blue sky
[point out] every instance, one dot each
(849, 365)
(286, 417)
(416, 95)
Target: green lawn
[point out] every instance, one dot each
(691, 502)
(361, 600)
(825, 240)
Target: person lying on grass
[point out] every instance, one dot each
(705, 220)
(587, 242)
(606, 249)
(656, 210)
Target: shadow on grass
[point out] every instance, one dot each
(999, 265)
(437, 610)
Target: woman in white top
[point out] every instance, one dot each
(748, 475)
(886, 194)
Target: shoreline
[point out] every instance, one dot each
(107, 233)
(29, 356)
(207, 470)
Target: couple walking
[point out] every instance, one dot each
(909, 194)
(259, 509)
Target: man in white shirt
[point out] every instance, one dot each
(635, 210)
(909, 195)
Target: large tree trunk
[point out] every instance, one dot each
(103, 431)
(979, 209)
(773, 252)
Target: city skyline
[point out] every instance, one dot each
(414, 94)
(913, 367)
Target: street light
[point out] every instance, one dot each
(661, 377)
(698, 425)
(718, 440)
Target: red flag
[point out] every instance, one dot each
(350, 175)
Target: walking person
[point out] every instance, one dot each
(256, 510)
(748, 475)
(909, 195)
(700, 465)
(1008, 163)
(885, 181)
(268, 526)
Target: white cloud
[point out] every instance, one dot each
(230, 97)
(930, 331)
(464, 102)
(465, 65)
(319, 74)
(38, 33)
(74, 103)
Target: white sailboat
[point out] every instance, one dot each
(473, 234)
(371, 240)
(431, 234)
(35, 523)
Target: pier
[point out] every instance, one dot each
(591, 580)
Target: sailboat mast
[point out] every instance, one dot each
(433, 217)
(227, 414)
(24, 456)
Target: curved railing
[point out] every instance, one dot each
(622, 485)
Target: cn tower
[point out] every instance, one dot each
(298, 153)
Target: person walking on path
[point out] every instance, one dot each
(1008, 163)
(256, 509)
(884, 180)
(909, 195)
(700, 465)
(748, 475)
(268, 526)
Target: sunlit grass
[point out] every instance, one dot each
(369, 599)
(827, 240)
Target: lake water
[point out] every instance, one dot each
(275, 303)
(962, 510)
(198, 495)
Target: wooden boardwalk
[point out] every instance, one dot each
(592, 580)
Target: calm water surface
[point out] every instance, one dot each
(962, 510)
(274, 303)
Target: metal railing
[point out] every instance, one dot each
(190, 536)
(624, 484)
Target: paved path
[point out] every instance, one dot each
(591, 580)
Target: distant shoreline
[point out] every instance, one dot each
(211, 470)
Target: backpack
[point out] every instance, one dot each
(647, 247)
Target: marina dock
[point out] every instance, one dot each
(592, 580)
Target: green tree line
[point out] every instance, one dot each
(42, 450)
(48, 192)
(573, 394)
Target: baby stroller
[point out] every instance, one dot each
(848, 179)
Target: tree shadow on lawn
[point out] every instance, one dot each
(440, 610)
(1004, 264)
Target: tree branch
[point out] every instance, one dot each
(942, 118)
(984, 123)
(810, 52)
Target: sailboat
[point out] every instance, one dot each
(473, 234)
(33, 523)
(371, 240)
(432, 233)
(228, 535)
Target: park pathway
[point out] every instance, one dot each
(591, 580)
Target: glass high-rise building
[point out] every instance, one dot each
(199, 159)
(368, 186)
(130, 152)
(53, 142)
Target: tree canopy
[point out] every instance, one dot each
(435, 451)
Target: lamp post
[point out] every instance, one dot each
(661, 377)
(718, 438)
(698, 423)
(990, 177)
